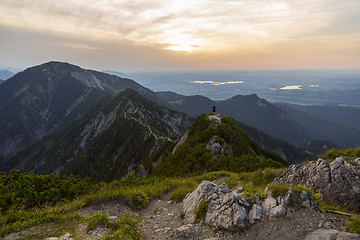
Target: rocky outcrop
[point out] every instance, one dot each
(64, 237)
(323, 234)
(338, 181)
(206, 190)
(225, 210)
(230, 211)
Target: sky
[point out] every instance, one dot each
(174, 35)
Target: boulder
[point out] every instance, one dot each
(188, 231)
(64, 237)
(255, 213)
(227, 212)
(357, 161)
(337, 181)
(325, 234)
(206, 190)
(223, 211)
(99, 233)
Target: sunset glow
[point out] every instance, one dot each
(203, 34)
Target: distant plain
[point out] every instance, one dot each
(306, 87)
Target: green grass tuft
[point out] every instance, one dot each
(353, 224)
(200, 211)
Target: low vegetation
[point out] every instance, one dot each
(125, 227)
(29, 200)
(333, 153)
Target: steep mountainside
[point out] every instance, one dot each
(263, 115)
(43, 98)
(337, 124)
(128, 130)
(288, 151)
(213, 143)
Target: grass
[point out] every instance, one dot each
(333, 153)
(200, 211)
(353, 224)
(138, 192)
(125, 227)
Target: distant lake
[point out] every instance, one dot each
(322, 87)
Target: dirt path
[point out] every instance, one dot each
(161, 220)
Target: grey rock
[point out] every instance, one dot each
(206, 190)
(98, 233)
(64, 237)
(224, 188)
(113, 218)
(357, 161)
(277, 211)
(187, 231)
(330, 234)
(215, 148)
(255, 213)
(238, 190)
(181, 141)
(268, 204)
(224, 211)
(227, 213)
(338, 181)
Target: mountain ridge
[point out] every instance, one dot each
(128, 129)
(42, 98)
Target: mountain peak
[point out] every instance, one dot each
(215, 142)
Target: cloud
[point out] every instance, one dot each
(212, 34)
(312, 86)
(293, 87)
(209, 24)
(215, 83)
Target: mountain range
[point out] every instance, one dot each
(294, 123)
(58, 117)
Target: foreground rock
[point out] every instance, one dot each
(64, 237)
(323, 234)
(230, 211)
(338, 181)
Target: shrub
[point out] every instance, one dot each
(201, 210)
(138, 199)
(179, 194)
(127, 228)
(19, 190)
(353, 224)
(279, 189)
(101, 220)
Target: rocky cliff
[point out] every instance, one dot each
(338, 181)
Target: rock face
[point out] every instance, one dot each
(206, 190)
(331, 234)
(227, 212)
(230, 211)
(225, 209)
(338, 181)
